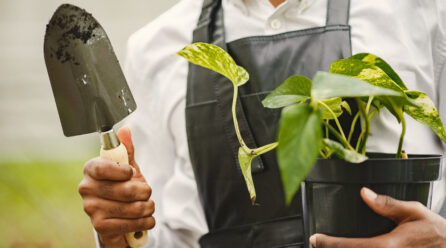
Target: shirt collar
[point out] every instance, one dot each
(242, 4)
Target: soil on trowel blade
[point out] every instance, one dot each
(75, 24)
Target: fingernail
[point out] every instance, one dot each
(134, 171)
(369, 193)
(313, 240)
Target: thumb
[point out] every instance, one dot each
(125, 137)
(396, 210)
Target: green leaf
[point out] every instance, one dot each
(377, 104)
(300, 137)
(394, 105)
(265, 148)
(216, 59)
(383, 65)
(364, 71)
(243, 76)
(335, 104)
(373, 74)
(329, 85)
(245, 159)
(292, 90)
(345, 105)
(425, 113)
(342, 153)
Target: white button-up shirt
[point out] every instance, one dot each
(409, 35)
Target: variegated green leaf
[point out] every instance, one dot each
(292, 90)
(245, 159)
(216, 59)
(300, 137)
(243, 76)
(335, 105)
(425, 113)
(374, 75)
(329, 85)
(364, 71)
(265, 148)
(342, 153)
(383, 65)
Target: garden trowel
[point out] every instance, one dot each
(89, 87)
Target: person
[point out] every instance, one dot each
(183, 135)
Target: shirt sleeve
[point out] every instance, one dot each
(158, 82)
(439, 55)
(161, 150)
(183, 215)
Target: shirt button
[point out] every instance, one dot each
(275, 24)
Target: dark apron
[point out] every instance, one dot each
(232, 220)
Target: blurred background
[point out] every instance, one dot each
(39, 167)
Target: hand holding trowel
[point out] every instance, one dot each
(89, 87)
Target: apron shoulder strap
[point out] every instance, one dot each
(210, 29)
(206, 3)
(208, 12)
(338, 12)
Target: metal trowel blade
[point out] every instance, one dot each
(88, 84)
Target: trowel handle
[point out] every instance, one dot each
(119, 155)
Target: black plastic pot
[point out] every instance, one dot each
(335, 207)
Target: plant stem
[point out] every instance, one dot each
(403, 132)
(326, 130)
(322, 154)
(234, 118)
(372, 114)
(359, 140)
(352, 128)
(362, 145)
(338, 136)
(363, 131)
(328, 152)
(369, 103)
(335, 118)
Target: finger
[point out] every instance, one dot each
(113, 241)
(396, 210)
(122, 226)
(107, 209)
(324, 241)
(125, 137)
(103, 169)
(128, 191)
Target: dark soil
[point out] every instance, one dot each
(70, 23)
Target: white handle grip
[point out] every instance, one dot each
(119, 155)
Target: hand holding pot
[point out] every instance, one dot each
(116, 196)
(417, 226)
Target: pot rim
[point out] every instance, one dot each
(391, 156)
(418, 168)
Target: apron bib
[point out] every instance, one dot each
(213, 145)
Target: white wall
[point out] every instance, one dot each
(29, 123)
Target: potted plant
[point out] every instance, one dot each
(305, 147)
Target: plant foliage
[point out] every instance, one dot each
(312, 106)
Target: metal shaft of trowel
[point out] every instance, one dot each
(109, 140)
